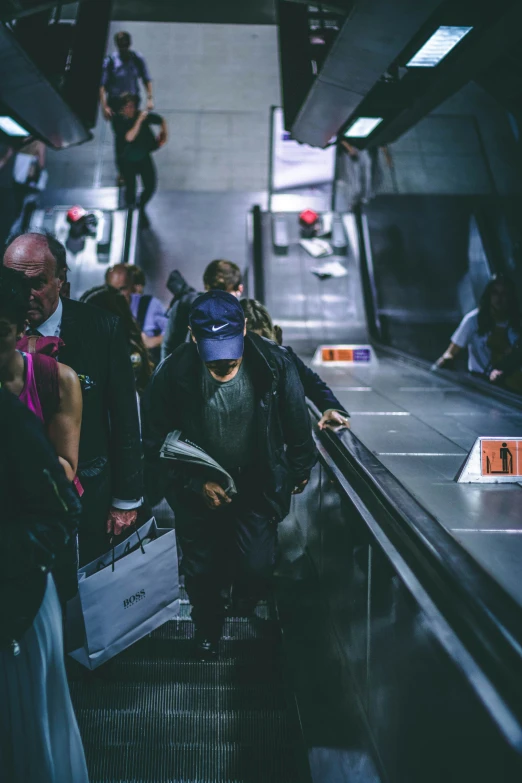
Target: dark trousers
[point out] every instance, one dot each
(147, 171)
(234, 545)
(119, 142)
(96, 503)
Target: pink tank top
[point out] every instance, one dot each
(29, 397)
(29, 394)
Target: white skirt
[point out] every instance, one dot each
(39, 737)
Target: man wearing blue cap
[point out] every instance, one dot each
(239, 397)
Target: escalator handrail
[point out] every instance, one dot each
(462, 379)
(481, 613)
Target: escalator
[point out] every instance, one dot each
(391, 648)
(393, 656)
(156, 714)
(412, 430)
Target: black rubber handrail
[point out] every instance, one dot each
(486, 619)
(257, 254)
(462, 379)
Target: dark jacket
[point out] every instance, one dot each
(177, 326)
(314, 387)
(39, 516)
(286, 448)
(96, 348)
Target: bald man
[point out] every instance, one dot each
(110, 464)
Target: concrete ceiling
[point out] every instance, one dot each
(202, 11)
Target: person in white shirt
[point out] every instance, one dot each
(29, 179)
(489, 332)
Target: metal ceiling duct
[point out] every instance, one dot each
(371, 38)
(15, 9)
(369, 71)
(32, 101)
(501, 32)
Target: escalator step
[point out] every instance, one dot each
(235, 628)
(154, 714)
(171, 699)
(191, 763)
(246, 656)
(259, 670)
(106, 727)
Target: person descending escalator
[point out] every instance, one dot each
(238, 397)
(492, 335)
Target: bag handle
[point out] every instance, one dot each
(113, 548)
(141, 544)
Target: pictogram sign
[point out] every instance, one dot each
(501, 457)
(344, 355)
(493, 461)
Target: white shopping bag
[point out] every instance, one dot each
(124, 595)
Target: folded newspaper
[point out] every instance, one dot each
(177, 446)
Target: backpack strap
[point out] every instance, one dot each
(142, 309)
(47, 384)
(138, 62)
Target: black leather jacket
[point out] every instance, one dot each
(286, 449)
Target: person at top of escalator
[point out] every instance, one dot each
(138, 142)
(258, 320)
(123, 71)
(491, 332)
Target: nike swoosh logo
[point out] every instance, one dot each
(217, 328)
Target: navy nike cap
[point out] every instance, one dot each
(217, 322)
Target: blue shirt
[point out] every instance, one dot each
(155, 318)
(119, 76)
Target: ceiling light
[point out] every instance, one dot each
(438, 46)
(362, 127)
(12, 128)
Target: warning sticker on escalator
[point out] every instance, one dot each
(344, 355)
(501, 457)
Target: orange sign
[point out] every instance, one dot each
(501, 457)
(354, 355)
(337, 355)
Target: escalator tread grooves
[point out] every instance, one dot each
(170, 699)
(156, 715)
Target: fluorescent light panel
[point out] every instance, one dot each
(438, 46)
(12, 128)
(362, 127)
